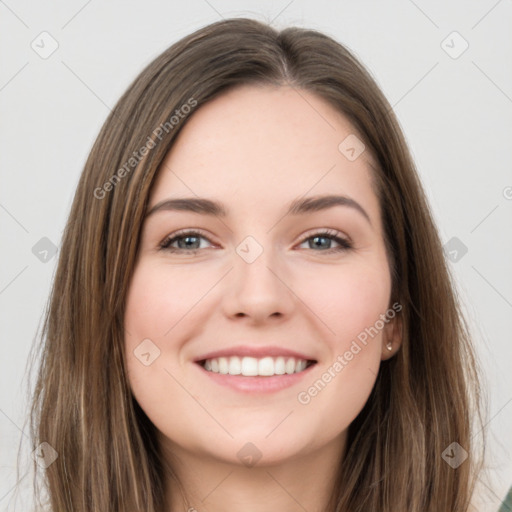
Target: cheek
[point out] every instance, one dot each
(348, 300)
(158, 298)
(155, 303)
(351, 306)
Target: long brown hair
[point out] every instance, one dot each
(424, 399)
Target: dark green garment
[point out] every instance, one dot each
(506, 506)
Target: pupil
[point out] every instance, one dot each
(187, 239)
(319, 238)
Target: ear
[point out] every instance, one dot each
(392, 337)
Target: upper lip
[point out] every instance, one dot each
(257, 352)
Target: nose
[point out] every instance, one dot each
(258, 290)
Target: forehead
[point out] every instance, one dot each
(263, 145)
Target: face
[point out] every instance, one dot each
(260, 284)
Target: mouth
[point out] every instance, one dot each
(256, 367)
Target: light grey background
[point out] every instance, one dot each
(456, 114)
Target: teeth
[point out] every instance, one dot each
(235, 366)
(251, 366)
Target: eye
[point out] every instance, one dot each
(188, 241)
(329, 235)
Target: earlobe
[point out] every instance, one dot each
(388, 351)
(392, 338)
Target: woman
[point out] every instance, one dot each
(253, 370)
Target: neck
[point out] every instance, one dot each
(304, 482)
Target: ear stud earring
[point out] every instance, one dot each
(389, 346)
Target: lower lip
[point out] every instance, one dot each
(257, 384)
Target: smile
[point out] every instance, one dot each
(254, 367)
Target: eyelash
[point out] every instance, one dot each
(330, 234)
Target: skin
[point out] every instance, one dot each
(256, 149)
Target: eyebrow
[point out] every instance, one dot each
(299, 206)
